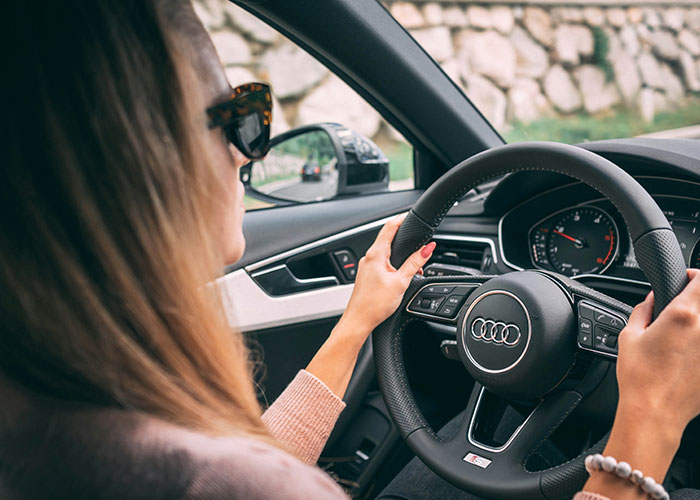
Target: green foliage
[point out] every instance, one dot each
(400, 161)
(601, 49)
(315, 145)
(624, 123)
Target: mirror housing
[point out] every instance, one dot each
(317, 162)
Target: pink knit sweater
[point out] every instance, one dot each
(303, 416)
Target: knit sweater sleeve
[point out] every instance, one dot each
(304, 415)
(585, 495)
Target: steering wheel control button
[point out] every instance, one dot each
(427, 303)
(586, 311)
(605, 340)
(455, 300)
(603, 318)
(585, 339)
(440, 301)
(347, 262)
(448, 311)
(611, 341)
(599, 329)
(439, 289)
(585, 325)
(464, 289)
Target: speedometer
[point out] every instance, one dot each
(579, 240)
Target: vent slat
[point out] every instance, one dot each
(463, 253)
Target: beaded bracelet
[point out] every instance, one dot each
(623, 470)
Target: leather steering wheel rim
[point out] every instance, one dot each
(656, 248)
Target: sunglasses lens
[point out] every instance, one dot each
(250, 131)
(246, 119)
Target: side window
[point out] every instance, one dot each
(335, 143)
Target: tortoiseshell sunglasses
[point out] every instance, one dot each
(245, 118)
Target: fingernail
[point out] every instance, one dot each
(428, 250)
(420, 271)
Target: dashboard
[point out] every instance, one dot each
(573, 231)
(541, 220)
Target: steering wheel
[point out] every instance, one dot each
(518, 334)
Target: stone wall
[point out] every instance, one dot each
(521, 62)
(304, 90)
(516, 62)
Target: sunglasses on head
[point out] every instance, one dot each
(245, 119)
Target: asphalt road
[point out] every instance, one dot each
(305, 191)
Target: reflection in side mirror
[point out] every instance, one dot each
(302, 169)
(315, 163)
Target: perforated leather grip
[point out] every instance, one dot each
(659, 255)
(412, 234)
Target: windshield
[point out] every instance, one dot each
(570, 73)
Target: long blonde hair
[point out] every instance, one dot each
(107, 202)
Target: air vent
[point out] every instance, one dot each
(460, 253)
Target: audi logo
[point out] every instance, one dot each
(497, 332)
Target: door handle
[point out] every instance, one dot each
(280, 280)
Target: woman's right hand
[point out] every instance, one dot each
(659, 363)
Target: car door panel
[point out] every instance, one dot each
(271, 232)
(286, 329)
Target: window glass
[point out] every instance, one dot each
(570, 73)
(304, 92)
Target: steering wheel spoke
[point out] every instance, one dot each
(514, 435)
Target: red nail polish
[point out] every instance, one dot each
(428, 250)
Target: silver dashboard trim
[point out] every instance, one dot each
(611, 278)
(474, 239)
(249, 308)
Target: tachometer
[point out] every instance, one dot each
(582, 240)
(695, 256)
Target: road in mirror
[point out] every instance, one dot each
(303, 168)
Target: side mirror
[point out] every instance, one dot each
(317, 162)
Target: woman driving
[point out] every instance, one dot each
(121, 203)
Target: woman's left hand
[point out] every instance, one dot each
(379, 287)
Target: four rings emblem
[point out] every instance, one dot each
(497, 332)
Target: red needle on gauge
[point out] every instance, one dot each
(578, 242)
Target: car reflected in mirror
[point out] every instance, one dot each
(315, 163)
(303, 168)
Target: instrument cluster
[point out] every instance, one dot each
(586, 235)
(573, 241)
